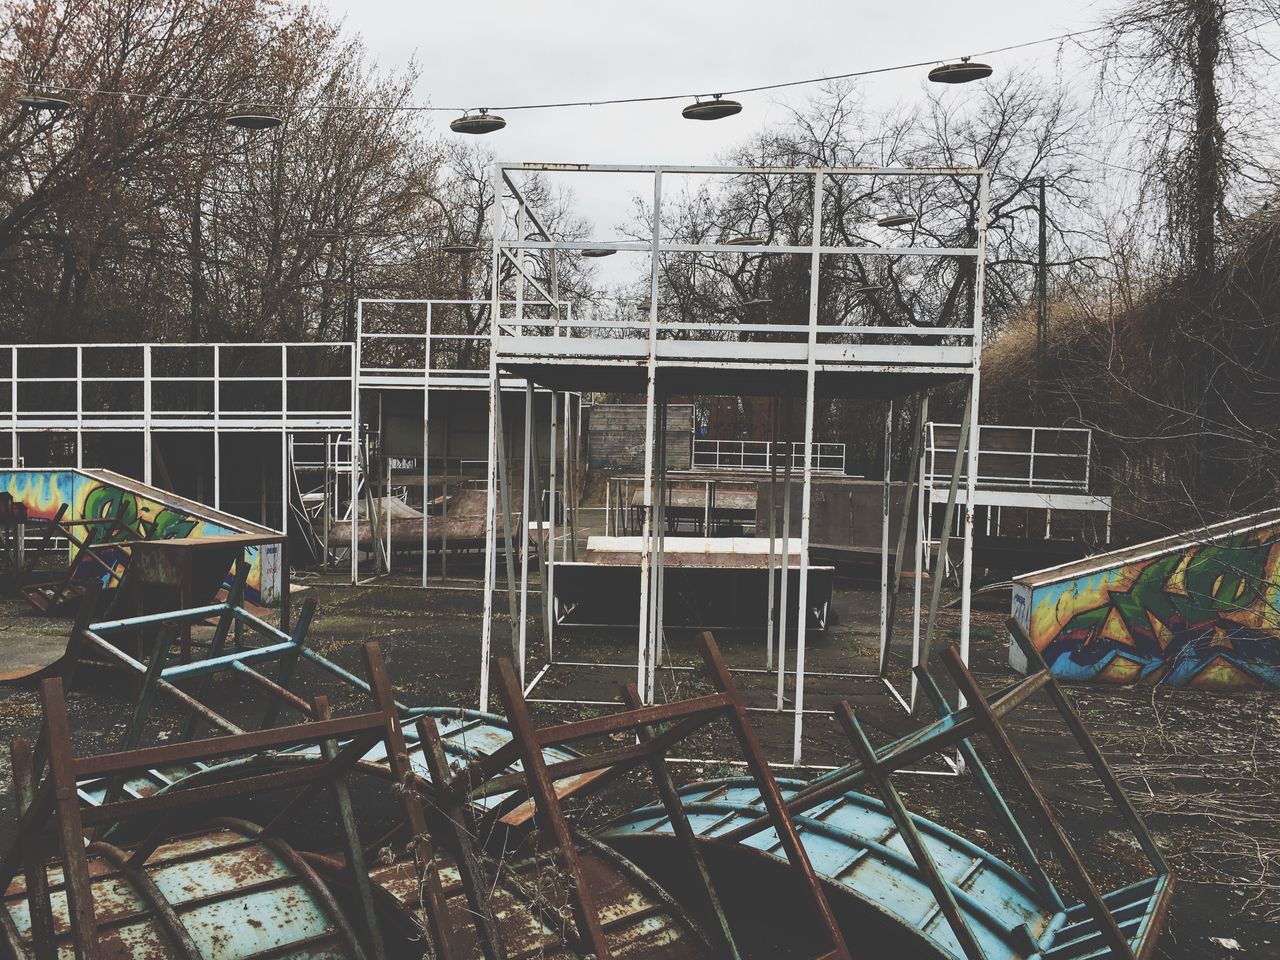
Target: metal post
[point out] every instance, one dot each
(490, 495)
(784, 575)
(971, 480)
(806, 493)
(550, 583)
(146, 414)
(79, 407)
(659, 546)
(649, 427)
(284, 441)
(355, 447)
(217, 436)
(886, 504)
(913, 489)
(426, 443)
(524, 527)
(773, 529)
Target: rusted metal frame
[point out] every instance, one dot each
(439, 920)
(1013, 830)
(282, 695)
(257, 741)
(75, 866)
(235, 597)
(669, 793)
(163, 686)
(547, 811)
(950, 730)
(617, 760)
(343, 760)
(179, 939)
(168, 801)
(459, 838)
(630, 720)
(1071, 717)
(483, 769)
(892, 800)
(771, 795)
(133, 734)
(356, 867)
(88, 549)
(289, 660)
(33, 863)
(1076, 870)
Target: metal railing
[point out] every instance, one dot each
(753, 455)
(1039, 458)
(81, 388)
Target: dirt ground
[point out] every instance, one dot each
(1203, 769)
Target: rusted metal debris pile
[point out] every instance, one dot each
(464, 840)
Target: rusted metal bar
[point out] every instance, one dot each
(1071, 717)
(218, 747)
(474, 882)
(617, 759)
(947, 731)
(289, 659)
(910, 835)
(235, 597)
(280, 695)
(547, 810)
(43, 546)
(159, 657)
(439, 922)
(163, 686)
(179, 939)
(974, 763)
(346, 758)
(670, 795)
(631, 720)
(37, 877)
(1097, 908)
(771, 795)
(356, 867)
(75, 643)
(75, 867)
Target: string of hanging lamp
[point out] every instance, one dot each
(485, 120)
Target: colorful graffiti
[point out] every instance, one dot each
(1204, 615)
(144, 518)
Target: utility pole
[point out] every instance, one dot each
(1042, 305)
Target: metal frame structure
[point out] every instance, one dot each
(428, 376)
(661, 356)
(1124, 923)
(175, 388)
(753, 456)
(537, 780)
(1069, 491)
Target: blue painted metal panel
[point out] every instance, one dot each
(854, 844)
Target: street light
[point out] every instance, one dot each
(41, 102)
(962, 72)
(254, 118)
(714, 109)
(478, 123)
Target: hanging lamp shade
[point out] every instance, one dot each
(896, 220)
(40, 102)
(597, 252)
(963, 72)
(716, 108)
(759, 302)
(746, 240)
(254, 118)
(869, 288)
(460, 248)
(478, 123)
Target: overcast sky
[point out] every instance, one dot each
(488, 53)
